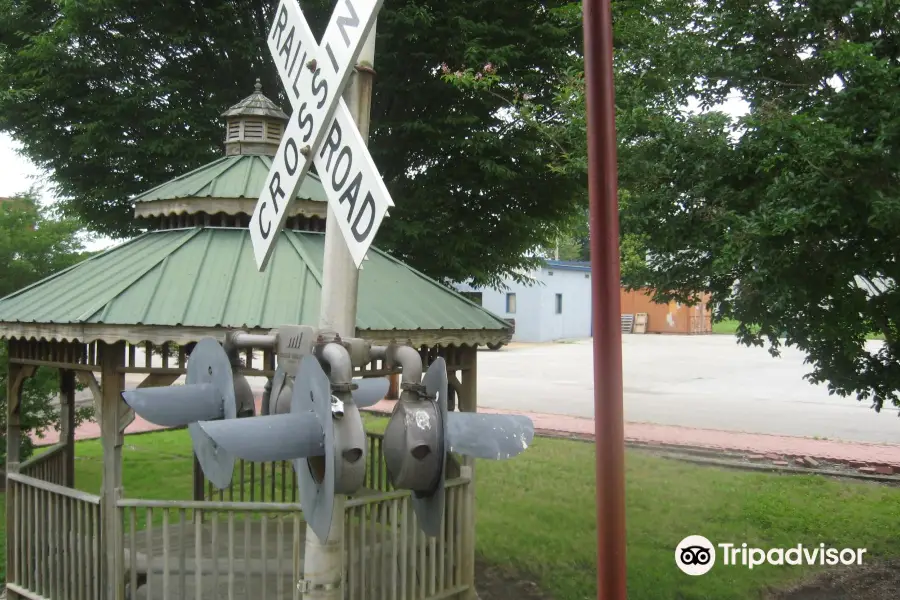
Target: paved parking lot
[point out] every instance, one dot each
(706, 382)
(692, 381)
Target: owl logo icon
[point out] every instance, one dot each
(695, 555)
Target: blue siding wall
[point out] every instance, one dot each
(575, 319)
(536, 314)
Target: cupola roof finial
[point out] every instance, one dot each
(254, 125)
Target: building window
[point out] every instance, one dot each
(511, 303)
(559, 304)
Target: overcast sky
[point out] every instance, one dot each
(16, 169)
(18, 174)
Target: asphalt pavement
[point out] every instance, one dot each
(706, 381)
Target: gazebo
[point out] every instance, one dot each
(191, 275)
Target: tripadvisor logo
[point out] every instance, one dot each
(696, 555)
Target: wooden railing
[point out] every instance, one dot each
(387, 556)
(186, 549)
(235, 550)
(255, 549)
(256, 482)
(49, 466)
(55, 540)
(258, 516)
(376, 470)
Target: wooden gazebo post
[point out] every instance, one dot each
(468, 402)
(16, 376)
(67, 421)
(112, 409)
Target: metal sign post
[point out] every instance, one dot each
(322, 131)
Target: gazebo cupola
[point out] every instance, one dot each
(224, 193)
(254, 125)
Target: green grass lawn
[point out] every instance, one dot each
(729, 327)
(536, 514)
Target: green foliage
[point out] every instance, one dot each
(788, 216)
(116, 97)
(657, 59)
(34, 243)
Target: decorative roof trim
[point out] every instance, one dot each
(229, 206)
(135, 334)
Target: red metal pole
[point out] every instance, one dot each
(609, 427)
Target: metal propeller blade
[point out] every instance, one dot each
(370, 391)
(217, 463)
(269, 438)
(176, 405)
(495, 437)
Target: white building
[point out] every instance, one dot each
(556, 306)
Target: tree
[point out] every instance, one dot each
(789, 215)
(34, 243)
(659, 54)
(114, 97)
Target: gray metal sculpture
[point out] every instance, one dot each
(321, 432)
(314, 421)
(421, 433)
(304, 432)
(366, 392)
(208, 394)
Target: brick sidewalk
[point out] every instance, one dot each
(773, 447)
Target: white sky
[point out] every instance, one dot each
(16, 169)
(17, 173)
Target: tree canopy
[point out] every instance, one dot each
(34, 243)
(789, 215)
(114, 97)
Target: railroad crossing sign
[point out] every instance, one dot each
(321, 129)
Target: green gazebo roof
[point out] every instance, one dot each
(237, 176)
(180, 284)
(229, 185)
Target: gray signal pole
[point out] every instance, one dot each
(339, 274)
(323, 563)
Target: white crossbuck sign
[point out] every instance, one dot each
(321, 129)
